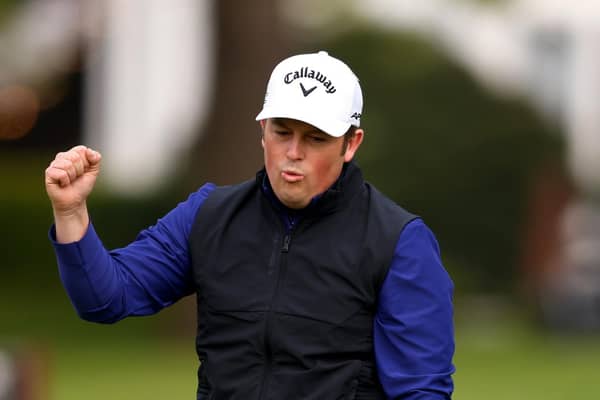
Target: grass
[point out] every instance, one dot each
(121, 370)
(504, 356)
(70, 359)
(535, 369)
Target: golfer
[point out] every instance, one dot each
(310, 283)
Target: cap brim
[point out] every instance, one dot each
(331, 127)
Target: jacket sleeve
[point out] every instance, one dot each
(149, 274)
(413, 328)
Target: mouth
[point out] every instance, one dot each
(291, 176)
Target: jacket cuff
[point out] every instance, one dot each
(76, 253)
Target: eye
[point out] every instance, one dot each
(281, 132)
(317, 139)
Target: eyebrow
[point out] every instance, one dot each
(280, 122)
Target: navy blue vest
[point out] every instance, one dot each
(289, 315)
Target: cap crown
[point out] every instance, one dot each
(317, 89)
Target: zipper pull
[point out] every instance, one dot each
(286, 243)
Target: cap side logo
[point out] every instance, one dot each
(307, 92)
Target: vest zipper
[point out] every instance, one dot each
(285, 247)
(286, 243)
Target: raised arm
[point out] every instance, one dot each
(141, 278)
(70, 178)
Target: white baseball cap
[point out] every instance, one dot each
(317, 89)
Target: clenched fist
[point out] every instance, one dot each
(70, 178)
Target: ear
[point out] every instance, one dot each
(354, 144)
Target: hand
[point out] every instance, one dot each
(70, 178)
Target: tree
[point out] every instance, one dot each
(250, 41)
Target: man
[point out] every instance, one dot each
(310, 283)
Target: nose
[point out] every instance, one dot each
(294, 149)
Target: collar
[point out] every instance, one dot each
(339, 193)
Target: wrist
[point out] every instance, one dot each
(71, 212)
(71, 225)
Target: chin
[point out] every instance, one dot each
(293, 203)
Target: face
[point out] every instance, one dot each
(301, 160)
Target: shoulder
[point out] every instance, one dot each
(417, 255)
(180, 218)
(195, 200)
(390, 211)
(217, 201)
(210, 193)
(417, 229)
(226, 194)
(202, 192)
(417, 238)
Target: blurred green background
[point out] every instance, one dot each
(437, 142)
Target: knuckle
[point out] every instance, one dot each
(71, 171)
(61, 163)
